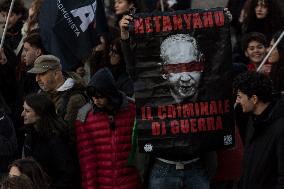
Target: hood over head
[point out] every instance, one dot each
(103, 83)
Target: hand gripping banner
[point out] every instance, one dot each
(183, 83)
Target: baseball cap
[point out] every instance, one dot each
(44, 63)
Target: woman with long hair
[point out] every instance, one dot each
(122, 7)
(263, 16)
(118, 68)
(46, 140)
(17, 182)
(30, 168)
(32, 21)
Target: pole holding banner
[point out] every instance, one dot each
(6, 24)
(269, 53)
(162, 5)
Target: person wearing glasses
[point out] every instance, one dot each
(118, 68)
(104, 131)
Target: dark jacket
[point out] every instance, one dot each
(264, 151)
(122, 79)
(75, 101)
(129, 57)
(27, 83)
(8, 142)
(8, 83)
(69, 101)
(55, 156)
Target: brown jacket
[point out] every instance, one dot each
(69, 101)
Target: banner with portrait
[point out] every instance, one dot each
(183, 85)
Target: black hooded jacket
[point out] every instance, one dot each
(264, 151)
(104, 83)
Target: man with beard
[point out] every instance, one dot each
(33, 48)
(66, 90)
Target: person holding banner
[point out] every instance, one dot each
(117, 67)
(263, 166)
(182, 67)
(13, 35)
(122, 7)
(160, 47)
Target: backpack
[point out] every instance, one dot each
(61, 111)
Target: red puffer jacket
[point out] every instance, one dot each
(103, 151)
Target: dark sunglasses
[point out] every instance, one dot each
(92, 92)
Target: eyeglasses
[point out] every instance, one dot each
(92, 92)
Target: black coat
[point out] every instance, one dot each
(55, 156)
(122, 79)
(8, 142)
(264, 150)
(8, 82)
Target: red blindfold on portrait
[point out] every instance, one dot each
(193, 66)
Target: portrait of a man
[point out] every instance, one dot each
(182, 64)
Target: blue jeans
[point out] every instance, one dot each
(165, 176)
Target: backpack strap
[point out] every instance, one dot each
(65, 97)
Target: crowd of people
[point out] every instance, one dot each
(75, 128)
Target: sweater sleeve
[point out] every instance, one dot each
(129, 57)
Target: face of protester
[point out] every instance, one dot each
(274, 56)
(12, 19)
(247, 103)
(100, 101)
(255, 52)
(14, 171)
(47, 80)
(261, 10)
(114, 56)
(182, 66)
(30, 54)
(122, 6)
(29, 115)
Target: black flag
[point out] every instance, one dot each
(74, 31)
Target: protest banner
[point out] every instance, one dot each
(183, 85)
(70, 28)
